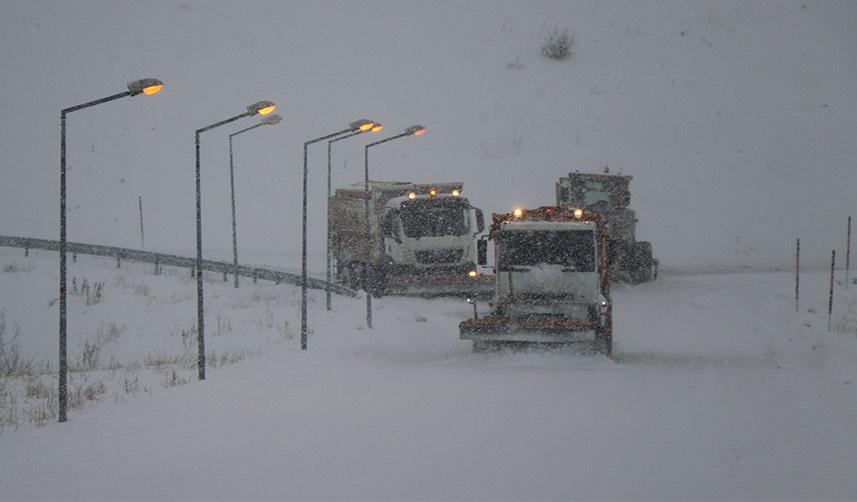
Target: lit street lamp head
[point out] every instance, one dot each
(272, 119)
(262, 108)
(362, 125)
(416, 130)
(145, 86)
(376, 127)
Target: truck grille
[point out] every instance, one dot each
(439, 255)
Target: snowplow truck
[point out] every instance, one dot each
(609, 195)
(420, 240)
(552, 281)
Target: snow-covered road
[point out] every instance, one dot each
(719, 391)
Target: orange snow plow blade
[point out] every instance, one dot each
(534, 329)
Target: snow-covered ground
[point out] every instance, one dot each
(719, 391)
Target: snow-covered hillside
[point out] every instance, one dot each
(719, 391)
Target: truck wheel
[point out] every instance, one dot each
(379, 281)
(351, 276)
(642, 262)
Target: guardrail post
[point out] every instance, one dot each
(192, 271)
(224, 275)
(255, 275)
(27, 247)
(74, 257)
(118, 261)
(157, 264)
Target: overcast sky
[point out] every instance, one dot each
(737, 119)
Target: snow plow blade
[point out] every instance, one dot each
(441, 284)
(495, 330)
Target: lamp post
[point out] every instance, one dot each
(376, 127)
(260, 108)
(268, 120)
(362, 125)
(145, 86)
(369, 279)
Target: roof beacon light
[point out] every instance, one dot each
(578, 213)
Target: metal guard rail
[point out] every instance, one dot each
(171, 260)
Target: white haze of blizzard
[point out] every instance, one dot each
(736, 118)
(720, 392)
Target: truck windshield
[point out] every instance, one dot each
(574, 249)
(423, 220)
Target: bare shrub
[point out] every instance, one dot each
(224, 325)
(12, 363)
(226, 358)
(35, 388)
(173, 379)
(558, 44)
(8, 406)
(130, 385)
(514, 64)
(84, 392)
(42, 411)
(283, 330)
(90, 352)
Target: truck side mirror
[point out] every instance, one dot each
(482, 251)
(480, 221)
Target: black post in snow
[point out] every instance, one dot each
(261, 108)
(797, 275)
(142, 238)
(355, 126)
(848, 253)
(369, 275)
(143, 86)
(830, 299)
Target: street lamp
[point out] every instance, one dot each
(375, 128)
(362, 125)
(369, 279)
(145, 86)
(260, 108)
(267, 120)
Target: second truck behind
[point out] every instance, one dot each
(420, 240)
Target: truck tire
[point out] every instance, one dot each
(379, 281)
(643, 264)
(350, 275)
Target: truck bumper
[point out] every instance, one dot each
(506, 329)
